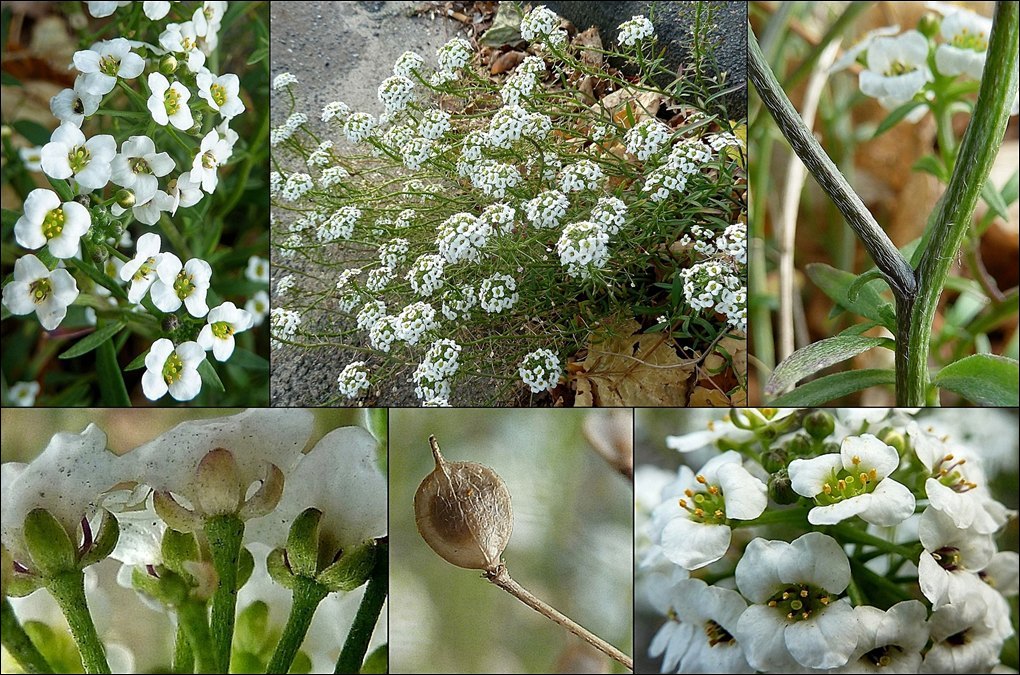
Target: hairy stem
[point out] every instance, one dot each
(224, 534)
(18, 643)
(356, 646)
(500, 577)
(68, 589)
(307, 594)
(193, 619)
(184, 658)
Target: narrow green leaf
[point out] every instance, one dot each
(896, 116)
(9, 80)
(210, 377)
(819, 355)
(869, 303)
(90, 342)
(34, 133)
(1012, 187)
(854, 290)
(985, 379)
(106, 282)
(831, 387)
(932, 165)
(112, 389)
(137, 363)
(248, 360)
(994, 199)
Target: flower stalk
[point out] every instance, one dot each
(68, 589)
(356, 646)
(308, 593)
(224, 534)
(18, 643)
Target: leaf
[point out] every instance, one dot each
(506, 26)
(869, 302)
(819, 355)
(100, 278)
(932, 165)
(631, 369)
(854, 290)
(505, 62)
(995, 201)
(210, 377)
(112, 390)
(249, 360)
(9, 80)
(985, 379)
(896, 116)
(831, 387)
(34, 133)
(137, 363)
(90, 342)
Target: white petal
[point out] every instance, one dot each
(165, 297)
(692, 545)
(871, 453)
(827, 639)
(933, 579)
(807, 476)
(28, 268)
(817, 559)
(153, 385)
(840, 511)
(745, 496)
(891, 503)
(187, 386)
(760, 631)
(158, 354)
(758, 572)
(222, 349)
(18, 299)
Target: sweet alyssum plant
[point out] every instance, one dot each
(492, 228)
(209, 512)
(124, 253)
(857, 542)
(937, 67)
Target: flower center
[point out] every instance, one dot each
(977, 42)
(799, 602)
(53, 223)
(183, 285)
(108, 65)
(883, 656)
(219, 94)
(706, 506)
(144, 270)
(40, 290)
(187, 44)
(717, 634)
(173, 368)
(78, 107)
(947, 471)
(948, 558)
(222, 330)
(140, 165)
(847, 483)
(172, 101)
(959, 639)
(209, 160)
(78, 158)
(899, 68)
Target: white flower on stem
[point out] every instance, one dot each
(951, 558)
(213, 152)
(639, 28)
(540, 370)
(183, 191)
(453, 56)
(156, 10)
(69, 154)
(257, 270)
(172, 369)
(353, 380)
(23, 394)
(968, 637)
(957, 484)
(966, 46)
(168, 103)
(541, 23)
(178, 284)
(797, 618)
(695, 528)
(182, 38)
(408, 64)
(101, 9)
(704, 642)
(74, 105)
(897, 68)
(284, 80)
(258, 307)
(581, 176)
(890, 641)
(31, 157)
(104, 63)
(221, 93)
(583, 247)
(138, 166)
(141, 270)
(208, 19)
(34, 288)
(850, 55)
(853, 483)
(47, 222)
(497, 293)
(223, 322)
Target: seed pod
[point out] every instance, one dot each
(463, 512)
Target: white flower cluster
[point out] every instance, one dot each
(581, 176)
(296, 186)
(452, 56)
(583, 247)
(322, 156)
(639, 28)
(426, 274)
(462, 237)
(458, 303)
(284, 284)
(414, 321)
(335, 110)
(353, 379)
(408, 64)
(714, 286)
(684, 160)
(540, 370)
(542, 24)
(547, 209)
(500, 217)
(497, 293)
(339, 225)
(358, 126)
(433, 124)
(372, 311)
(522, 81)
(284, 324)
(393, 253)
(494, 178)
(396, 92)
(432, 376)
(284, 132)
(611, 213)
(646, 138)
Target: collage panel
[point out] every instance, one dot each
(135, 223)
(886, 249)
(831, 540)
(509, 499)
(509, 206)
(205, 541)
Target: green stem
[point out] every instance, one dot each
(224, 534)
(353, 654)
(68, 589)
(850, 533)
(794, 515)
(193, 619)
(18, 644)
(184, 658)
(307, 595)
(980, 145)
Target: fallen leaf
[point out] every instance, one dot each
(506, 26)
(628, 107)
(505, 62)
(589, 47)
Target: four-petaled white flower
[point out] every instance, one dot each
(69, 154)
(853, 483)
(47, 222)
(172, 369)
(182, 38)
(23, 394)
(966, 46)
(35, 288)
(168, 102)
(74, 105)
(221, 93)
(138, 166)
(178, 284)
(890, 641)
(106, 62)
(223, 322)
(897, 68)
(213, 152)
(967, 637)
(797, 619)
(258, 306)
(694, 525)
(951, 558)
(257, 270)
(140, 271)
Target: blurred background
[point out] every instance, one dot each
(571, 546)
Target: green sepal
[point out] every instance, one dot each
(178, 548)
(104, 543)
(18, 585)
(819, 424)
(49, 545)
(352, 569)
(169, 587)
(276, 563)
(303, 543)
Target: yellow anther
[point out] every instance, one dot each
(719, 513)
(864, 478)
(824, 600)
(873, 474)
(713, 489)
(689, 492)
(855, 459)
(827, 489)
(683, 503)
(841, 485)
(772, 603)
(699, 512)
(803, 593)
(700, 479)
(786, 596)
(805, 615)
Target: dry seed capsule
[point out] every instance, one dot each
(463, 512)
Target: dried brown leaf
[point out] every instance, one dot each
(589, 47)
(505, 62)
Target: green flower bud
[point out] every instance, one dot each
(178, 548)
(303, 543)
(929, 25)
(49, 545)
(819, 424)
(352, 569)
(894, 438)
(781, 489)
(83, 199)
(798, 446)
(99, 254)
(774, 460)
(125, 198)
(168, 64)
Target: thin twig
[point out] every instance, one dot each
(501, 577)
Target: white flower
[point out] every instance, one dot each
(258, 307)
(353, 379)
(335, 110)
(433, 124)
(23, 394)
(426, 274)
(395, 93)
(703, 642)
(851, 54)
(541, 22)
(141, 270)
(611, 213)
(47, 222)
(951, 558)
(453, 56)
(221, 93)
(69, 154)
(853, 483)
(581, 176)
(296, 186)
(173, 369)
(285, 323)
(182, 38)
(497, 293)
(646, 138)
(540, 370)
(358, 126)
(168, 102)
(179, 284)
(408, 63)
(372, 311)
(104, 63)
(631, 32)
(797, 619)
(217, 335)
(694, 527)
(100, 9)
(74, 105)
(156, 10)
(213, 152)
(383, 333)
(414, 321)
(138, 166)
(890, 641)
(34, 288)
(968, 637)
(31, 157)
(583, 247)
(257, 270)
(966, 45)
(897, 68)
(284, 80)
(462, 236)
(547, 209)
